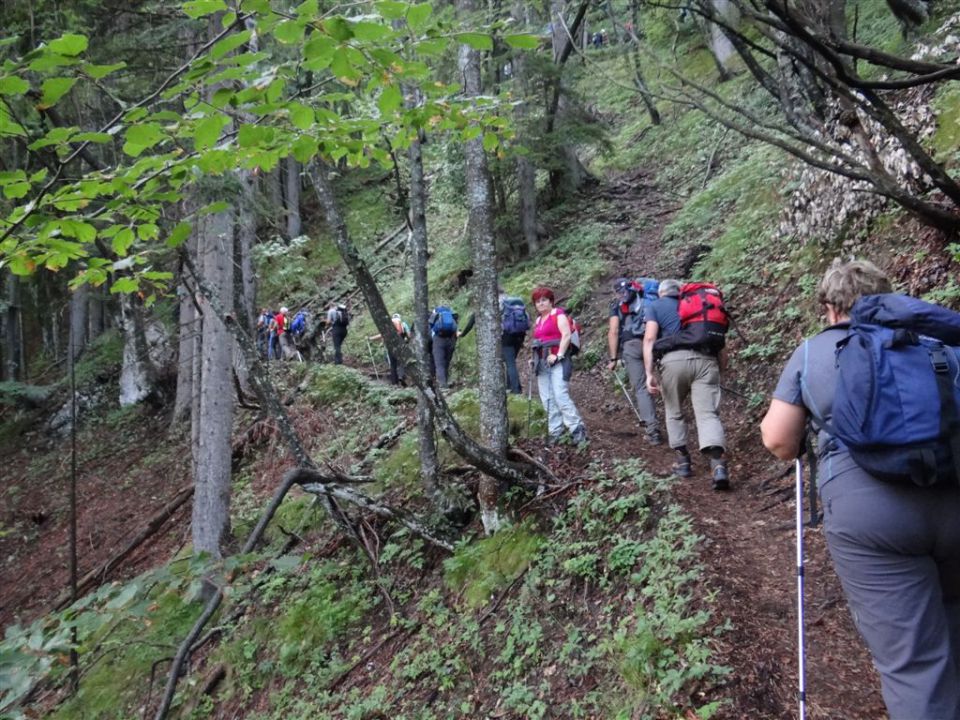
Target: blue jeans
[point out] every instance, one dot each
(511, 345)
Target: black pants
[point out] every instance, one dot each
(443, 348)
(339, 334)
(512, 344)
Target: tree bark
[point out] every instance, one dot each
(294, 225)
(526, 170)
(13, 353)
(189, 331)
(419, 255)
(78, 320)
(211, 503)
(492, 387)
(138, 374)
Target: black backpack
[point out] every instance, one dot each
(342, 317)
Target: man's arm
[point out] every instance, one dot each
(650, 332)
(613, 341)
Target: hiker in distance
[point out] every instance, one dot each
(397, 372)
(689, 367)
(553, 367)
(338, 318)
(444, 331)
(625, 343)
(515, 322)
(894, 545)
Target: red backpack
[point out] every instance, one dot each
(703, 318)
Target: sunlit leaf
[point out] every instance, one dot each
(141, 137)
(370, 32)
(101, 71)
(289, 32)
(122, 241)
(179, 234)
(13, 85)
(122, 285)
(390, 99)
(229, 44)
(391, 10)
(53, 89)
(417, 16)
(207, 131)
(202, 8)
(69, 44)
(16, 190)
(301, 116)
(490, 141)
(522, 42)
(338, 28)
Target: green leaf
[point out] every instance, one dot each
(214, 208)
(522, 42)
(101, 71)
(69, 44)
(275, 90)
(48, 61)
(254, 135)
(229, 44)
(371, 32)
(308, 9)
(121, 243)
(345, 72)
(478, 41)
(417, 16)
(207, 131)
(228, 19)
(157, 275)
(201, 8)
(122, 285)
(84, 232)
(141, 137)
(319, 47)
(304, 149)
(13, 85)
(93, 137)
(289, 32)
(490, 141)
(390, 99)
(301, 116)
(179, 234)
(21, 264)
(53, 89)
(16, 190)
(431, 47)
(391, 10)
(338, 28)
(147, 231)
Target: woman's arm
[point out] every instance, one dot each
(563, 325)
(782, 429)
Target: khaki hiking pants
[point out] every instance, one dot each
(695, 374)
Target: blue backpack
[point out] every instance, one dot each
(515, 319)
(299, 325)
(897, 402)
(647, 292)
(444, 324)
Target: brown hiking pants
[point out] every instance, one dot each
(697, 375)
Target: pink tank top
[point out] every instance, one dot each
(546, 331)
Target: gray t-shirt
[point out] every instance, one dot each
(664, 313)
(809, 380)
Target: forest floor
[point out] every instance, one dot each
(748, 540)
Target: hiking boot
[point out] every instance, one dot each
(681, 466)
(554, 438)
(653, 436)
(718, 471)
(579, 435)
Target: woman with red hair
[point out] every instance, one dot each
(551, 340)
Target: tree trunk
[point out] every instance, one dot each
(273, 190)
(492, 388)
(96, 313)
(13, 353)
(294, 225)
(189, 332)
(526, 170)
(419, 255)
(638, 78)
(211, 503)
(138, 374)
(79, 302)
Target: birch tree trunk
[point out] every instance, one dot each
(214, 420)
(492, 388)
(294, 225)
(138, 373)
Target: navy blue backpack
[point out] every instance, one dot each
(897, 403)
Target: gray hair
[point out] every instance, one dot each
(846, 282)
(669, 288)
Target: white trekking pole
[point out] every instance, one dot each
(801, 691)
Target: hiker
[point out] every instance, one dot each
(625, 332)
(444, 332)
(263, 333)
(515, 322)
(287, 350)
(276, 327)
(686, 370)
(338, 318)
(397, 372)
(895, 546)
(553, 368)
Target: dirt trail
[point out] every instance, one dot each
(748, 537)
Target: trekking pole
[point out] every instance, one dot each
(801, 692)
(529, 390)
(630, 402)
(372, 360)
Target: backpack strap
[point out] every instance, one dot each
(949, 420)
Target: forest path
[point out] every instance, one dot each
(749, 549)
